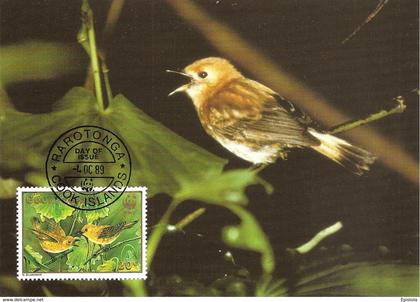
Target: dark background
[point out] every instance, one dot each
(359, 77)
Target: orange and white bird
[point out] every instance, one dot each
(257, 124)
(52, 237)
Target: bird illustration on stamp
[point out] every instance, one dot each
(105, 234)
(52, 237)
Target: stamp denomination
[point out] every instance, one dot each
(84, 158)
(56, 241)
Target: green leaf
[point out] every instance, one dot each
(248, 235)
(227, 187)
(91, 216)
(35, 255)
(77, 257)
(107, 266)
(161, 159)
(48, 206)
(362, 279)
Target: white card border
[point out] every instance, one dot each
(78, 276)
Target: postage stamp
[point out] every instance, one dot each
(85, 157)
(57, 241)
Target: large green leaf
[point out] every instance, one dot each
(76, 259)
(223, 188)
(161, 159)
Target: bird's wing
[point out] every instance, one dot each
(55, 228)
(44, 236)
(111, 231)
(246, 110)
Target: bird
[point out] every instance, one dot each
(256, 123)
(105, 234)
(52, 237)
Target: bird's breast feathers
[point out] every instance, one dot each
(54, 247)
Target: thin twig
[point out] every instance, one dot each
(370, 118)
(106, 249)
(303, 249)
(189, 218)
(88, 22)
(369, 18)
(105, 72)
(114, 14)
(54, 259)
(74, 222)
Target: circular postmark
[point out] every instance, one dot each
(88, 167)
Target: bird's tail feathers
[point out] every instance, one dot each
(353, 158)
(130, 224)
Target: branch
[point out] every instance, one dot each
(189, 218)
(114, 13)
(369, 18)
(370, 118)
(74, 222)
(87, 18)
(54, 259)
(106, 248)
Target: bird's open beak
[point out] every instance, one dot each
(179, 89)
(183, 87)
(79, 233)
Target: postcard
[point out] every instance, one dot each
(209, 148)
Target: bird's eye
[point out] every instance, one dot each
(202, 74)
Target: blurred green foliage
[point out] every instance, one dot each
(37, 60)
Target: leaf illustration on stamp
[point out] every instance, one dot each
(47, 206)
